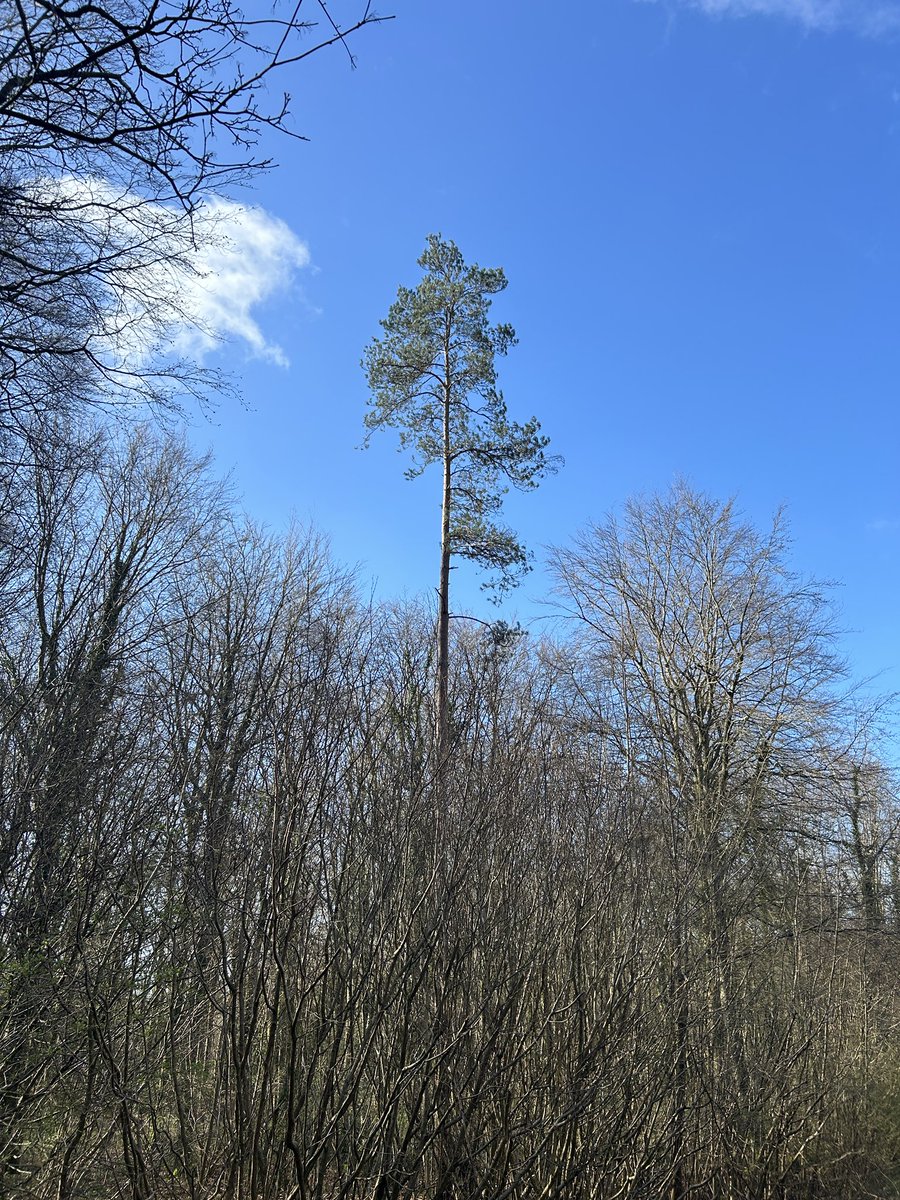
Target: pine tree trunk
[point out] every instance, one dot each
(443, 656)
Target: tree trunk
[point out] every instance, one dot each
(443, 656)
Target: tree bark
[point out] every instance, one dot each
(443, 655)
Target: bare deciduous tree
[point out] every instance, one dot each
(117, 122)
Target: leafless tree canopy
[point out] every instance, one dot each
(648, 949)
(117, 121)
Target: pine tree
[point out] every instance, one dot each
(432, 376)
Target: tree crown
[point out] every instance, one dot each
(432, 376)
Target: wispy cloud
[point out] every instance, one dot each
(174, 284)
(873, 18)
(244, 258)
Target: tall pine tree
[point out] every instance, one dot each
(432, 376)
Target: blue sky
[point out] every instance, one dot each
(698, 209)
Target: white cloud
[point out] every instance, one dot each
(245, 257)
(875, 18)
(175, 284)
